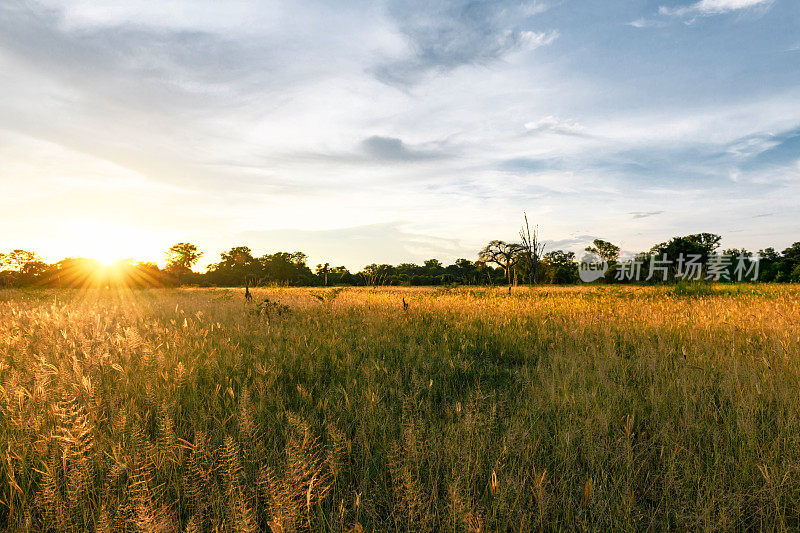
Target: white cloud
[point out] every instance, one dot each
(200, 119)
(751, 146)
(722, 6)
(641, 23)
(530, 40)
(714, 7)
(553, 124)
(442, 37)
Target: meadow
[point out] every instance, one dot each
(571, 408)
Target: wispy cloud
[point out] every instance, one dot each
(380, 150)
(775, 150)
(444, 36)
(714, 7)
(530, 164)
(216, 120)
(645, 214)
(392, 149)
(644, 23)
(555, 125)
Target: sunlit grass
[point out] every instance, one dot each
(557, 408)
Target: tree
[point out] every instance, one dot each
(298, 258)
(790, 263)
(182, 256)
(340, 274)
(607, 251)
(322, 271)
(792, 253)
(33, 269)
(281, 267)
(464, 270)
(531, 249)
(433, 266)
(20, 267)
(408, 274)
(769, 264)
(17, 259)
(237, 266)
(700, 245)
(560, 267)
(238, 255)
(502, 254)
(376, 274)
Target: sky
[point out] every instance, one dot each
(389, 132)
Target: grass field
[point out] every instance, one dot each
(590, 408)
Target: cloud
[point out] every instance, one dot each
(761, 156)
(714, 7)
(356, 246)
(444, 36)
(576, 243)
(529, 164)
(394, 149)
(775, 151)
(378, 149)
(643, 23)
(645, 214)
(214, 119)
(173, 66)
(723, 6)
(555, 125)
(751, 145)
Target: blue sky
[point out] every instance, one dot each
(395, 131)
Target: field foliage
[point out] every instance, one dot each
(590, 408)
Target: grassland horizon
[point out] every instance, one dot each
(340, 409)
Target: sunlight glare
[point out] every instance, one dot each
(109, 243)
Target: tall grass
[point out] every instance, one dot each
(473, 410)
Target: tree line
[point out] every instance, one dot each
(498, 263)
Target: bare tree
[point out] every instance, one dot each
(530, 251)
(501, 253)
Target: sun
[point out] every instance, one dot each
(108, 258)
(110, 244)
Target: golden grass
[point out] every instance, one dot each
(473, 410)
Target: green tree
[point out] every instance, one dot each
(609, 252)
(790, 263)
(560, 267)
(769, 264)
(236, 267)
(701, 245)
(181, 257)
(465, 271)
(340, 275)
(322, 272)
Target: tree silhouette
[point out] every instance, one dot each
(502, 254)
(17, 259)
(322, 271)
(182, 256)
(530, 250)
(609, 252)
(560, 267)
